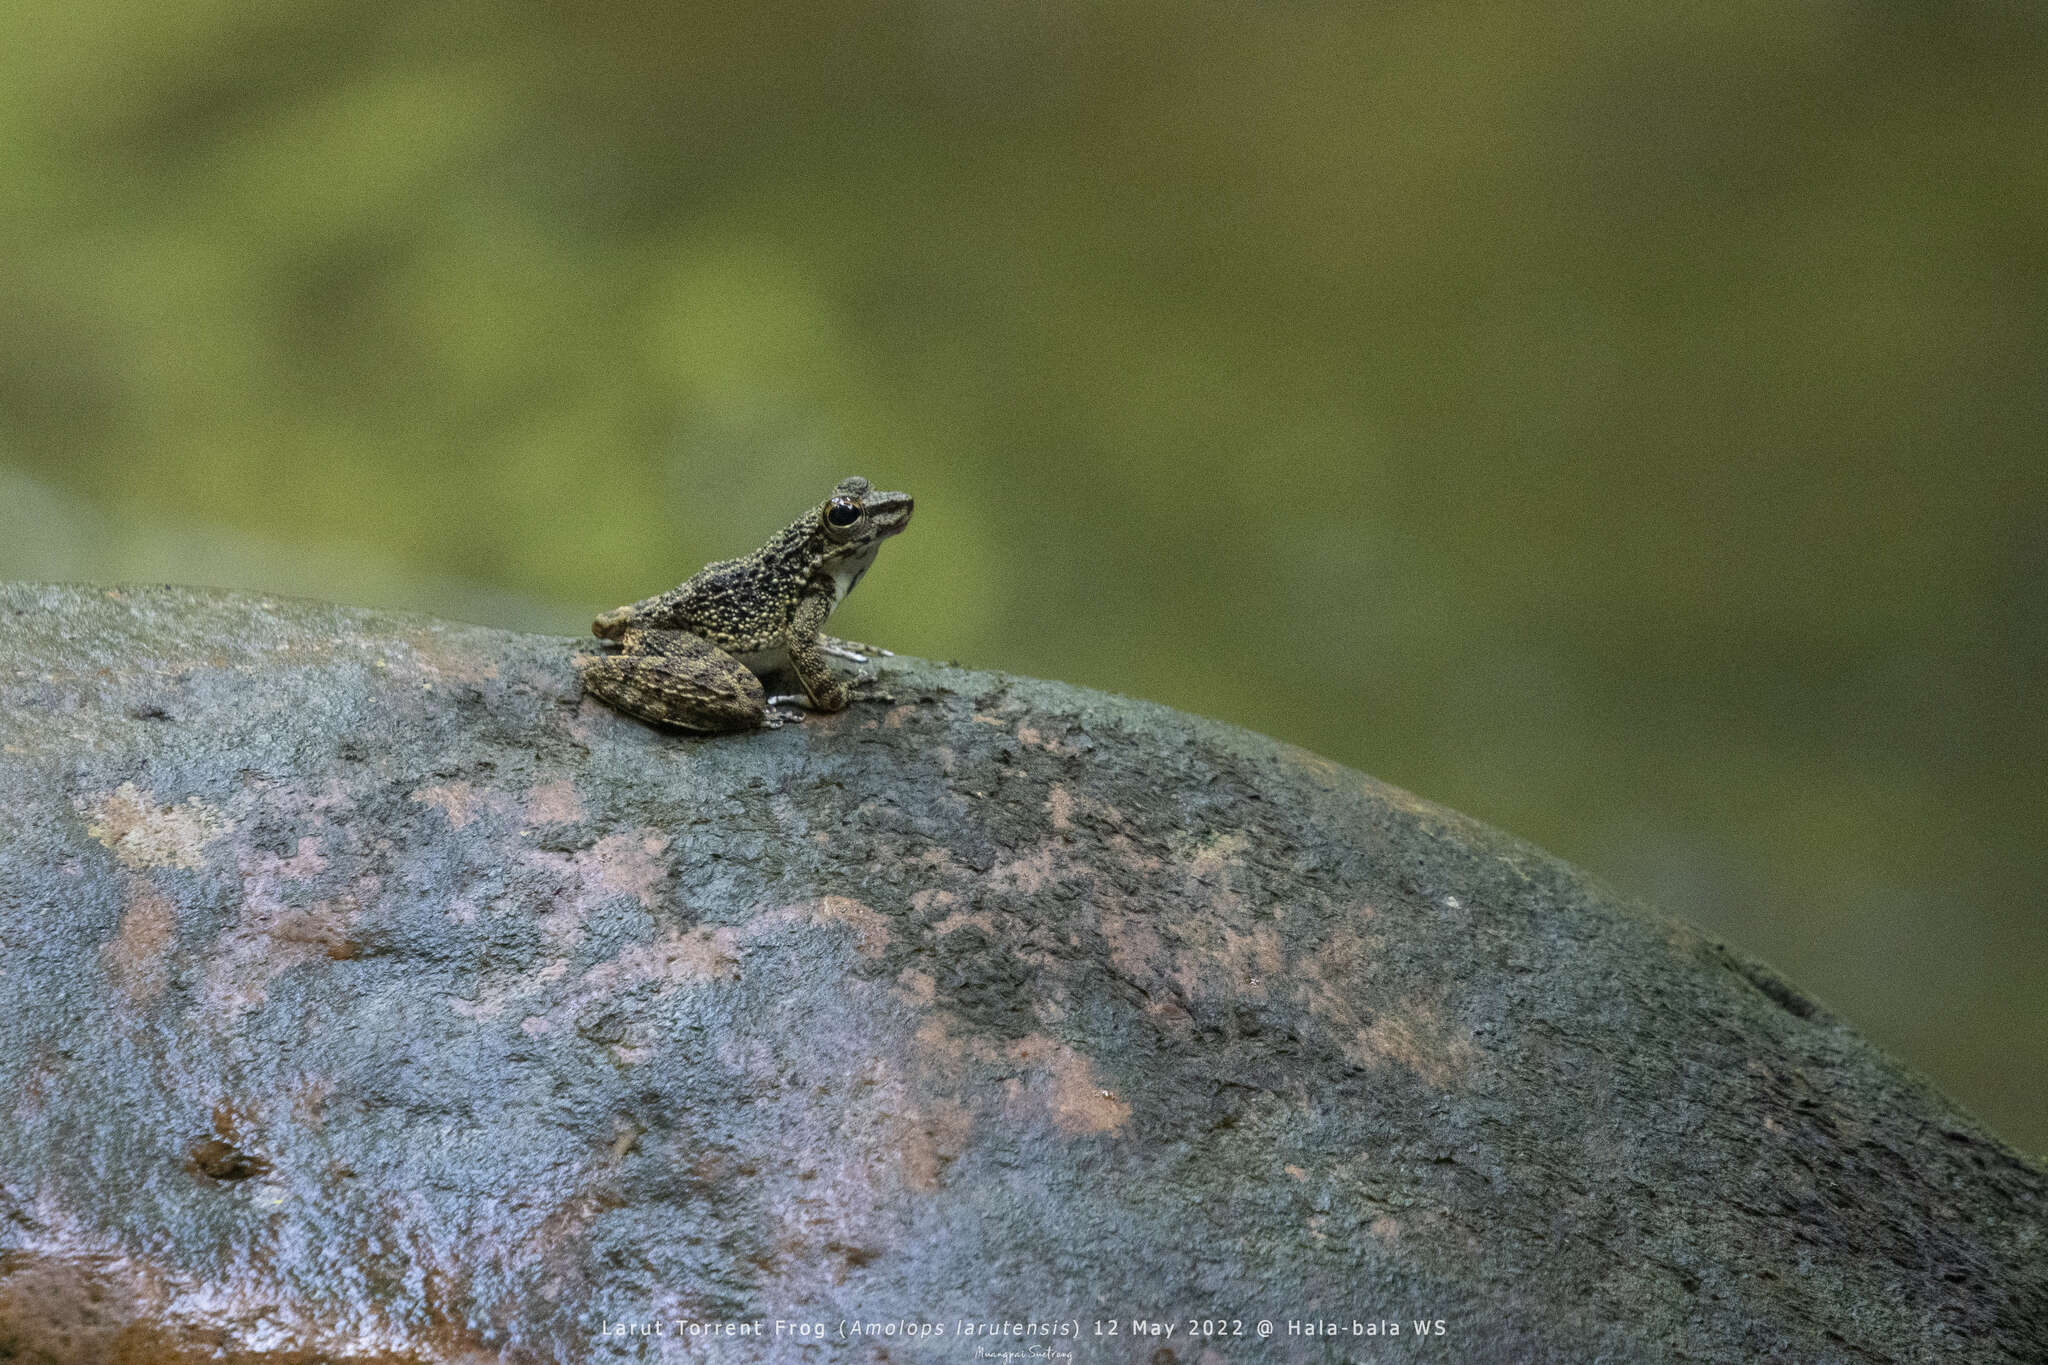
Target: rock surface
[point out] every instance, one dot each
(367, 995)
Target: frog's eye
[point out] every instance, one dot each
(842, 512)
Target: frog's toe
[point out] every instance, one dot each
(867, 687)
(852, 650)
(776, 716)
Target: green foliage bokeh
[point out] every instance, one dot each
(1624, 423)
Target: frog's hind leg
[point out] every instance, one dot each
(674, 678)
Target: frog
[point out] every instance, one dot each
(694, 658)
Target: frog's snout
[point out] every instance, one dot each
(612, 624)
(891, 511)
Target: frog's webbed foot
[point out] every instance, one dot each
(867, 687)
(860, 687)
(853, 650)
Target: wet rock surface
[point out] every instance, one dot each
(368, 995)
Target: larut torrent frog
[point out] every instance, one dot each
(693, 657)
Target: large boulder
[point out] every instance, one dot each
(367, 994)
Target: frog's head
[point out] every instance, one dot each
(856, 518)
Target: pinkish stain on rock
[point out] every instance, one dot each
(567, 887)
(940, 861)
(1412, 1036)
(1046, 1079)
(932, 1138)
(962, 919)
(501, 992)
(275, 930)
(1136, 948)
(1310, 761)
(1126, 851)
(265, 875)
(1034, 738)
(1333, 776)
(442, 662)
(487, 1006)
(1253, 961)
(938, 1045)
(309, 860)
(1408, 1032)
(919, 988)
(142, 833)
(593, 723)
(856, 1141)
(871, 931)
(675, 960)
(1035, 871)
(266, 941)
(332, 794)
(630, 864)
(1208, 872)
(555, 803)
(1060, 1084)
(137, 956)
(459, 801)
(1139, 952)
(1217, 955)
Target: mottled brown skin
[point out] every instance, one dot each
(693, 657)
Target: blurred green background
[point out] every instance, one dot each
(1624, 423)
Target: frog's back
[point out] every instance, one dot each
(739, 604)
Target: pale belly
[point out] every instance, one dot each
(763, 661)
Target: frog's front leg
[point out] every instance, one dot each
(674, 678)
(807, 656)
(807, 650)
